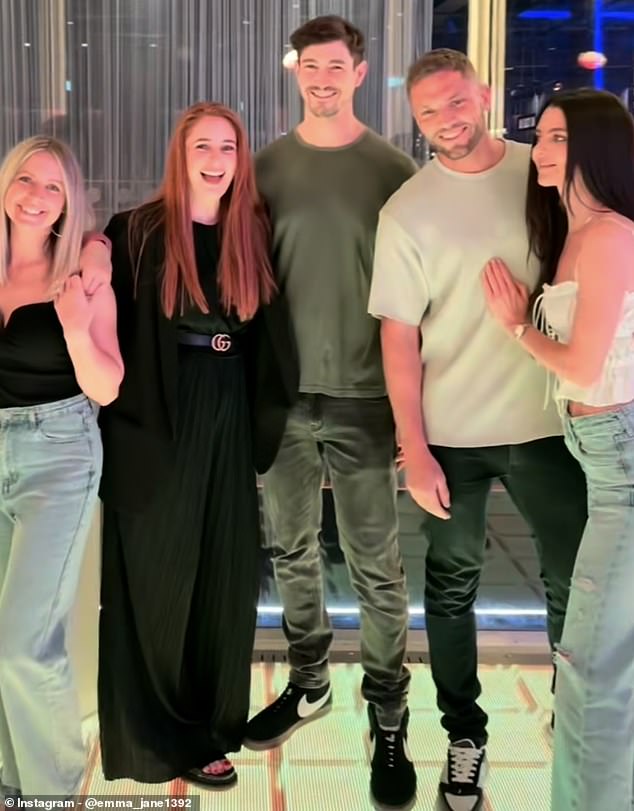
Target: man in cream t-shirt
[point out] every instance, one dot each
(483, 414)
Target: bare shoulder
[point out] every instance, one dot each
(611, 228)
(607, 252)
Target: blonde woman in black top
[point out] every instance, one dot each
(58, 357)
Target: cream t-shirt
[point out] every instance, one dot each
(434, 238)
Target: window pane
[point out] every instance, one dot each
(554, 46)
(451, 19)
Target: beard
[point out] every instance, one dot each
(458, 151)
(328, 108)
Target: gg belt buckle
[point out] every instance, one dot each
(221, 342)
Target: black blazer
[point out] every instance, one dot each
(138, 428)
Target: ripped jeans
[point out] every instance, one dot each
(593, 764)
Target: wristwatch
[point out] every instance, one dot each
(519, 330)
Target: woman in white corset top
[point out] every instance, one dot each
(580, 213)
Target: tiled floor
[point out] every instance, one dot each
(324, 767)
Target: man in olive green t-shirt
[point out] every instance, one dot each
(324, 184)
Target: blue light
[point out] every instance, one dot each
(598, 40)
(545, 14)
(599, 18)
(343, 610)
(618, 15)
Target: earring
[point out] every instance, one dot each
(53, 231)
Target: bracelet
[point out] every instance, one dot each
(519, 330)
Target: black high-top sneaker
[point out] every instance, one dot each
(393, 779)
(295, 707)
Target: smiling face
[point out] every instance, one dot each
(450, 109)
(550, 153)
(36, 196)
(212, 156)
(327, 78)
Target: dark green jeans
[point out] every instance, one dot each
(548, 488)
(355, 439)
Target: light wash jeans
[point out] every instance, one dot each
(593, 766)
(50, 464)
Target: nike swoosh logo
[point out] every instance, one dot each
(306, 707)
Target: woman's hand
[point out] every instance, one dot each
(73, 307)
(506, 298)
(94, 263)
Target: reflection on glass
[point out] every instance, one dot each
(564, 45)
(511, 594)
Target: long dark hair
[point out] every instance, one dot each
(601, 151)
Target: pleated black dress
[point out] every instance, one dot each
(180, 579)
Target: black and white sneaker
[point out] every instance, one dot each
(463, 776)
(295, 707)
(393, 779)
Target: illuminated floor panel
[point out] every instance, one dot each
(324, 767)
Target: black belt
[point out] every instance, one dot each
(220, 343)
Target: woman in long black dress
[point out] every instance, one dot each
(181, 524)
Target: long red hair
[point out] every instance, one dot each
(245, 277)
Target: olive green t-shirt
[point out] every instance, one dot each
(324, 205)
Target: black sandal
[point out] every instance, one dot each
(221, 774)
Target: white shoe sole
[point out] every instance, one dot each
(273, 743)
(484, 773)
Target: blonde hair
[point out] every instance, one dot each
(65, 239)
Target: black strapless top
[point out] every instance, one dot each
(35, 366)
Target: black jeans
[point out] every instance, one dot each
(548, 488)
(356, 438)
